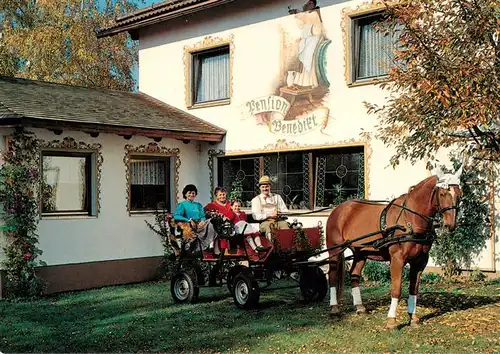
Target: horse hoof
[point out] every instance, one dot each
(414, 321)
(391, 323)
(361, 310)
(335, 312)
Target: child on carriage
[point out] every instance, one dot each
(242, 226)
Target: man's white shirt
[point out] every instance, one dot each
(264, 207)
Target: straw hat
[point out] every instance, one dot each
(264, 180)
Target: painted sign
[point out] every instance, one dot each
(272, 111)
(299, 104)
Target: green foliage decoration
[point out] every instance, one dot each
(19, 181)
(236, 192)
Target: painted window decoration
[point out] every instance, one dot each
(210, 75)
(149, 183)
(68, 183)
(305, 179)
(371, 49)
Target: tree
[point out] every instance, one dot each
(444, 83)
(55, 40)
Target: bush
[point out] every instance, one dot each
(381, 272)
(161, 227)
(430, 278)
(477, 276)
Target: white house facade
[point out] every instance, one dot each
(289, 89)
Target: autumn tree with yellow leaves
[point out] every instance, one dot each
(444, 82)
(55, 40)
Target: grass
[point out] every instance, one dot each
(458, 318)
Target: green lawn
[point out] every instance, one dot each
(458, 318)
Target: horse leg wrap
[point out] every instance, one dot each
(412, 304)
(356, 296)
(394, 307)
(333, 296)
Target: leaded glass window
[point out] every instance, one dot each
(287, 172)
(304, 179)
(339, 176)
(240, 173)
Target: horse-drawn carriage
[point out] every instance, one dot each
(244, 271)
(400, 232)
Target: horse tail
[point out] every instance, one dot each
(340, 276)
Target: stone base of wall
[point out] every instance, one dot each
(90, 275)
(465, 273)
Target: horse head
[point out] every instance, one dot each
(447, 196)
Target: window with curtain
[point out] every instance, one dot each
(149, 184)
(305, 179)
(210, 75)
(67, 182)
(372, 49)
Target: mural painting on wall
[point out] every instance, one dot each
(297, 107)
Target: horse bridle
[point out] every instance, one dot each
(452, 207)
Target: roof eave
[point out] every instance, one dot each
(112, 129)
(133, 26)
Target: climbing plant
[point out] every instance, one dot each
(458, 249)
(19, 181)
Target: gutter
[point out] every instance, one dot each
(111, 31)
(57, 125)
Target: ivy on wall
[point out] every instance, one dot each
(19, 182)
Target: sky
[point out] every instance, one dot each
(149, 2)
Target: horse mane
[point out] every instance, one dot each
(415, 189)
(421, 194)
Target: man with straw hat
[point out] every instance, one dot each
(266, 206)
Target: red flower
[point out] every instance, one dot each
(27, 256)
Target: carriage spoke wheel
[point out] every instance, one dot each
(313, 284)
(184, 287)
(246, 292)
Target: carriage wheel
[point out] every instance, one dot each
(313, 284)
(184, 287)
(232, 273)
(246, 292)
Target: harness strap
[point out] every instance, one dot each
(383, 215)
(422, 238)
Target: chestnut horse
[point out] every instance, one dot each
(409, 218)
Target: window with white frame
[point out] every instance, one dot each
(307, 179)
(210, 75)
(372, 45)
(68, 183)
(149, 183)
